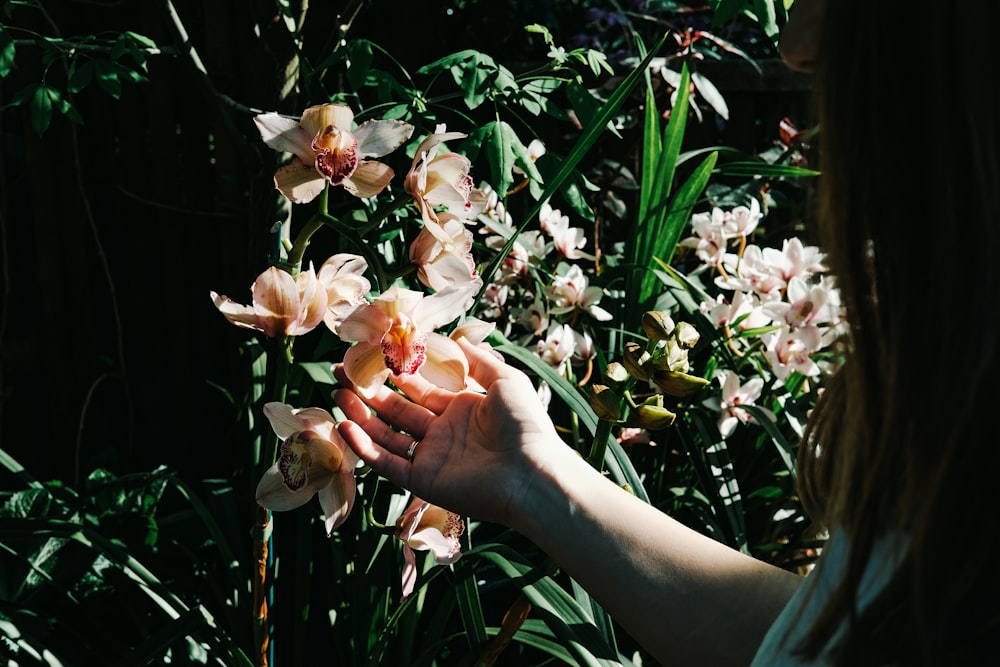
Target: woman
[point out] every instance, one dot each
(898, 458)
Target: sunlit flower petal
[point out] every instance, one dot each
(327, 150)
(369, 179)
(281, 304)
(446, 364)
(394, 333)
(426, 527)
(299, 182)
(312, 459)
(381, 137)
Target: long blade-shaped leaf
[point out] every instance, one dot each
(616, 460)
(583, 144)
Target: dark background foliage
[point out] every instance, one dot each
(115, 230)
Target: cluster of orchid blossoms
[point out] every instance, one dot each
(777, 302)
(393, 332)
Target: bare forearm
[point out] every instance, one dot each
(685, 597)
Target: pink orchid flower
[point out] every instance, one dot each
(445, 258)
(343, 277)
(395, 334)
(328, 150)
(281, 304)
(441, 180)
(313, 461)
(426, 527)
(733, 396)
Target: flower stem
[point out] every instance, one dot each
(600, 446)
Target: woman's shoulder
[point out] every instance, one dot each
(790, 628)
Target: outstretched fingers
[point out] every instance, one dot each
(411, 418)
(394, 467)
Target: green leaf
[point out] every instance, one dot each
(7, 52)
(664, 244)
(11, 464)
(80, 76)
(568, 621)
(726, 10)
(504, 151)
(616, 460)
(40, 108)
(753, 168)
(106, 75)
(27, 504)
(583, 144)
(319, 371)
(585, 105)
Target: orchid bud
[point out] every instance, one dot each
(605, 402)
(652, 417)
(615, 373)
(680, 385)
(657, 325)
(636, 361)
(686, 334)
(672, 357)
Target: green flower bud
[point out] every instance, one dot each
(672, 357)
(679, 385)
(657, 325)
(605, 402)
(652, 417)
(686, 334)
(615, 373)
(636, 361)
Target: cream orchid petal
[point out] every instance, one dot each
(349, 288)
(275, 300)
(446, 365)
(367, 324)
(473, 330)
(286, 135)
(284, 420)
(341, 264)
(312, 302)
(337, 499)
(317, 118)
(426, 148)
(236, 313)
(299, 182)
(409, 571)
(320, 421)
(274, 495)
(369, 179)
(364, 365)
(381, 137)
(397, 300)
(441, 307)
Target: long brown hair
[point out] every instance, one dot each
(904, 440)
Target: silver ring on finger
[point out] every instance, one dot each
(412, 450)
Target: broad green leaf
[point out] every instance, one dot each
(40, 109)
(319, 371)
(27, 504)
(7, 52)
(448, 62)
(106, 75)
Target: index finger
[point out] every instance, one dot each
(484, 367)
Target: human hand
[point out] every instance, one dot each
(478, 454)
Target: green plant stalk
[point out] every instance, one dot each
(600, 446)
